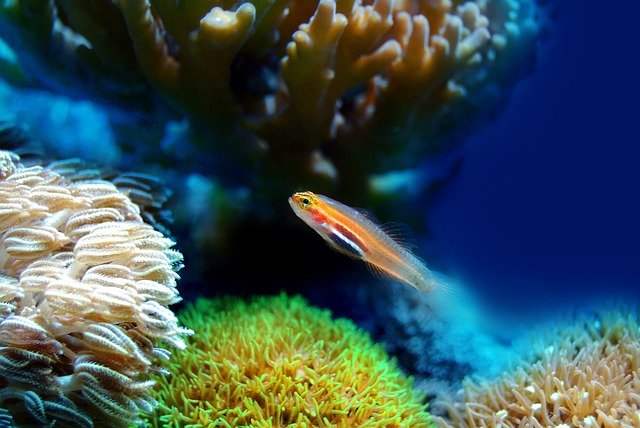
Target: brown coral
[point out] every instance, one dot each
(588, 376)
(84, 290)
(305, 87)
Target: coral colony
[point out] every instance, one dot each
(84, 290)
(334, 96)
(290, 90)
(582, 373)
(310, 370)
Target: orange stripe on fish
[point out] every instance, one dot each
(351, 232)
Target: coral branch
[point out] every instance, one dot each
(307, 71)
(151, 50)
(221, 35)
(269, 17)
(293, 91)
(362, 53)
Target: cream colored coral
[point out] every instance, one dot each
(84, 290)
(588, 376)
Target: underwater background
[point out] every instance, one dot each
(527, 197)
(542, 212)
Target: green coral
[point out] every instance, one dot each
(276, 361)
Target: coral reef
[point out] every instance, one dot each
(294, 91)
(275, 361)
(584, 374)
(85, 286)
(248, 101)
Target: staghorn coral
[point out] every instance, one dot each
(587, 375)
(84, 290)
(276, 362)
(293, 90)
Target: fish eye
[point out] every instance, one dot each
(305, 202)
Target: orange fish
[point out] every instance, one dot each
(351, 232)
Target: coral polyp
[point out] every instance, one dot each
(277, 362)
(585, 374)
(85, 286)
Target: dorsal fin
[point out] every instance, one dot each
(367, 214)
(400, 233)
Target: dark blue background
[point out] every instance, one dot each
(545, 210)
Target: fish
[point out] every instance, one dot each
(355, 234)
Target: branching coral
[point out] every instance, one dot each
(587, 376)
(84, 290)
(326, 94)
(276, 362)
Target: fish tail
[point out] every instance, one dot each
(447, 297)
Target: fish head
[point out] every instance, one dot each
(304, 203)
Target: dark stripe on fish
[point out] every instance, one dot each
(343, 242)
(351, 237)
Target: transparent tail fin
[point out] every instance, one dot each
(449, 299)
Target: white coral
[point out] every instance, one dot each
(84, 290)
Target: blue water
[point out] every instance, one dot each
(545, 210)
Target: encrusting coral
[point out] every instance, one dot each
(328, 94)
(84, 289)
(586, 374)
(277, 362)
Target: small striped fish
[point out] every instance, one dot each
(351, 232)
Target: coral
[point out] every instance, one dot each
(84, 289)
(292, 90)
(587, 375)
(275, 362)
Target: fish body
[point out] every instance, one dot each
(351, 232)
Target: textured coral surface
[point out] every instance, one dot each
(277, 362)
(84, 289)
(319, 93)
(586, 374)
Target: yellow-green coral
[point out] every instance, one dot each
(586, 374)
(275, 362)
